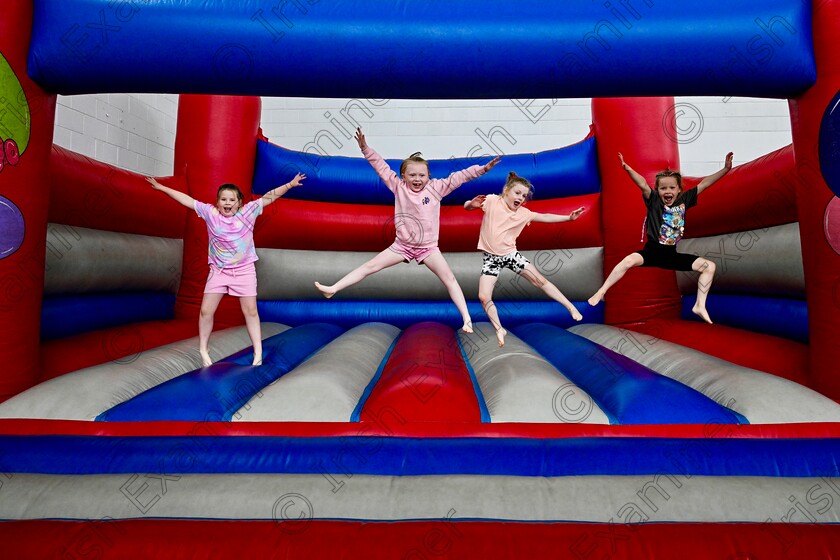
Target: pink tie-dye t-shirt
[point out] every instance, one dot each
(231, 240)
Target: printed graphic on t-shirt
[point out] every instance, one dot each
(673, 225)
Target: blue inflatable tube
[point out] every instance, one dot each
(69, 315)
(215, 393)
(787, 318)
(397, 456)
(403, 314)
(421, 49)
(559, 173)
(628, 392)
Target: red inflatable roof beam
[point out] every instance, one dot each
(91, 194)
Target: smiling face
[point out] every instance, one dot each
(228, 202)
(416, 176)
(515, 195)
(668, 188)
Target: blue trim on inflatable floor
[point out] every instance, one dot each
(479, 395)
(357, 412)
(370, 52)
(64, 316)
(627, 392)
(421, 456)
(787, 318)
(559, 173)
(215, 393)
(403, 314)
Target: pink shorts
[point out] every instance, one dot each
(239, 281)
(410, 253)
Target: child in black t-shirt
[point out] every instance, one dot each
(664, 225)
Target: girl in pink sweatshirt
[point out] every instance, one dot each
(504, 219)
(417, 219)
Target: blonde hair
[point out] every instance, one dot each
(514, 179)
(413, 158)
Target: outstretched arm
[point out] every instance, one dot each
(475, 203)
(388, 176)
(638, 179)
(555, 218)
(276, 193)
(711, 179)
(183, 198)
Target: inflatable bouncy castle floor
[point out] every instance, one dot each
(375, 428)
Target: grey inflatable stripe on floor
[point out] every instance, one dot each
(290, 275)
(326, 387)
(597, 498)
(519, 385)
(758, 262)
(81, 260)
(761, 397)
(84, 394)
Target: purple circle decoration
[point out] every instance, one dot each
(12, 227)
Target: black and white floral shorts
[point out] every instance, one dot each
(493, 264)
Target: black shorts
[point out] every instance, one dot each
(665, 256)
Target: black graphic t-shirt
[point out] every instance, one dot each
(666, 224)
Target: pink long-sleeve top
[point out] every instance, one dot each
(417, 214)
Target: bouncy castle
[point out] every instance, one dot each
(375, 428)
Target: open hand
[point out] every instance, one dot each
(492, 163)
(621, 159)
(296, 182)
(475, 203)
(576, 214)
(728, 162)
(154, 183)
(360, 138)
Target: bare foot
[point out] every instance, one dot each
(467, 328)
(575, 313)
(326, 291)
(500, 336)
(594, 300)
(702, 313)
(205, 358)
(257, 361)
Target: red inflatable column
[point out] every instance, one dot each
(642, 130)
(216, 141)
(26, 128)
(817, 206)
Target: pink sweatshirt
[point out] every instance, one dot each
(417, 214)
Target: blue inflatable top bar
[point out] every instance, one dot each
(559, 173)
(422, 49)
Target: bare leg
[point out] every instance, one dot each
(209, 304)
(486, 283)
(252, 323)
(440, 267)
(385, 259)
(706, 268)
(537, 279)
(631, 260)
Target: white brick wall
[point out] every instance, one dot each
(137, 132)
(132, 131)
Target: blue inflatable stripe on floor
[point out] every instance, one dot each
(784, 317)
(215, 393)
(558, 173)
(624, 389)
(77, 455)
